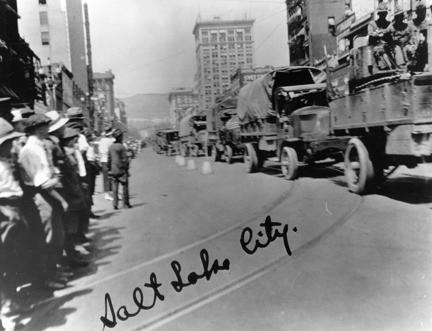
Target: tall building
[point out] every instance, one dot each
(103, 85)
(55, 31)
(18, 84)
(310, 23)
(181, 100)
(222, 46)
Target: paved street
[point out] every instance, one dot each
(357, 263)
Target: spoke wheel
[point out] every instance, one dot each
(359, 170)
(289, 163)
(250, 158)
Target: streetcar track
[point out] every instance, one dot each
(267, 209)
(214, 294)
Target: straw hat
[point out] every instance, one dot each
(7, 131)
(57, 121)
(20, 114)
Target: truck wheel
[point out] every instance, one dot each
(359, 170)
(250, 158)
(289, 163)
(228, 154)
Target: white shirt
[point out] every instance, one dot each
(83, 145)
(9, 186)
(35, 167)
(104, 144)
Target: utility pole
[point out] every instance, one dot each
(288, 41)
(89, 67)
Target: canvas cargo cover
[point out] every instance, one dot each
(186, 126)
(255, 100)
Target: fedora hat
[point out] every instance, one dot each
(70, 133)
(57, 121)
(75, 113)
(37, 120)
(7, 131)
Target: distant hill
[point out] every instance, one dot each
(147, 107)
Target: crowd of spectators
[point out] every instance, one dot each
(48, 169)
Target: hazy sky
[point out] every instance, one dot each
(149, 45)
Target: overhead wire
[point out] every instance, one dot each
(269, 35)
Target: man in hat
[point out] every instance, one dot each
(74, 194)
(418, 53)
(13, 224)
(400, 32)
(103, 146)
(39, 175)
(379, 39)
(118, 168)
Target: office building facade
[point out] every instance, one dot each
(309, 28)
(55, 31)
(222, 46)
(104, 100)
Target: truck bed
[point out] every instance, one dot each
(406, 101)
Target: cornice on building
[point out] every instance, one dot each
(220, 22)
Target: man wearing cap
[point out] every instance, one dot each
(118, 167)
(379, 39)
(38, 175)
(400, 32)
(418, 31)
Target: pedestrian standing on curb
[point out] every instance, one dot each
(93, 166)
(72, 190)
(13, 225)
(78, 209)
(118, 168)
(38, 175)
(104, 144)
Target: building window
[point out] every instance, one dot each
(45, 38)
(42, 2)
(331, 25)
(43, 16)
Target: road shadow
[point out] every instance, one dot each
(409, 189)
(321, 170)
(404, 188)
(49, 313)
(102, 246)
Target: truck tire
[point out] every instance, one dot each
(289, 163)
(250, 158)
(228, 154)
(359, 170)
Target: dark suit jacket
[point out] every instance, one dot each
(118, 161)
